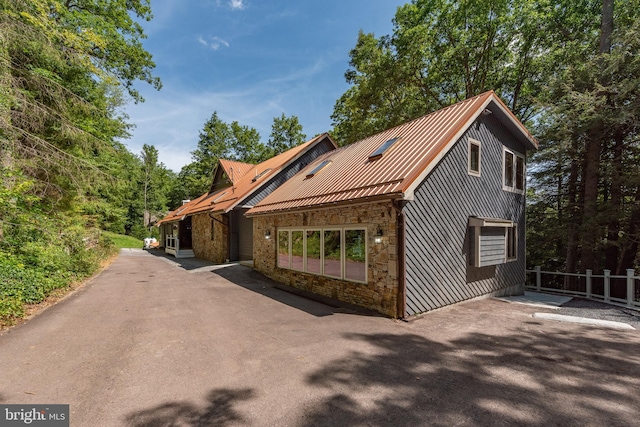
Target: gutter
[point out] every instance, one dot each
(400, 235)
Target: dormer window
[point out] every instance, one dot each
(318, 168)
(383, 148)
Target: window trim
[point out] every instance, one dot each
(476, 225)
(513, 230)
(342, 229)
(514, 173)
(477, 143)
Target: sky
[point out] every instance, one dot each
(249, 61)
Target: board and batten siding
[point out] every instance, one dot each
(245, 236)
(437, 233)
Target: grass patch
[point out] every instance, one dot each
(122, 241)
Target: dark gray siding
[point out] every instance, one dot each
(437, 238)
(245, 236)
(269, 186)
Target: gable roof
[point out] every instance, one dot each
(248, 179)
(354, 174)
(235, 170)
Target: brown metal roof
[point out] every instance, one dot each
(352, 176)
(235, 170)
(227, 198)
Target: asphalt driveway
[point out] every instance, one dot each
(152, 342)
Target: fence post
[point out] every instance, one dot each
(631, 286)
(538, 278)
(607, 285)
(588, 285)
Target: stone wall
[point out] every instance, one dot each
(381, 290)
(204, 246)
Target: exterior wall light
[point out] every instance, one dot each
(267, 235)
(378, 236)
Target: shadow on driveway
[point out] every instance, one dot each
(248, 278)
(535, 379)
(218, 411)
(545, 379)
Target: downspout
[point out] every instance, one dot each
(400, 235)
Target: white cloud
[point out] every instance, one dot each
(172, 118)
(215, 43)
(237, 4)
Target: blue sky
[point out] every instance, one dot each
(249, 60)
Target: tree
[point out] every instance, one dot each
(218, 140)
(593, 106)
(286, 133)
(444, 51)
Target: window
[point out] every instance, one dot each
(297, 250)
(213, 229)
(313, 258)
(381, 150)
(332, 246)
(318, 168)
(474, 157)
(513, 175)
(260, 175)
(519, 173)
(492, 241)
(355, 251)
(339, 252)
(283, 249)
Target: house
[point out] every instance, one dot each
(417, 217)
(214, 226)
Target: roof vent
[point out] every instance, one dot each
(318, 168)
(384, 147)
(184, 202)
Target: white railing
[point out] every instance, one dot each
(617, 290)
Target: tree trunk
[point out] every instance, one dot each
(571, 263)
(614, 211)
(630, 251)
(590, 226)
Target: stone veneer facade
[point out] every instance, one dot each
(204, 246)
(380, 293)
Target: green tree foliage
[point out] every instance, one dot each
(444, 51)
(587, 172)
(64, 70)
(231, 141)
(286, 133)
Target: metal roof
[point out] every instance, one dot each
(243, 186)
(235, 170)
(353, 176)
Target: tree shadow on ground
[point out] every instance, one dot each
(314, 304)
(530, 379)
(218, 411)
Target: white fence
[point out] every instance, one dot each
(618, 290)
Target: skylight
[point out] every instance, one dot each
(219, 197)
(384, 147)
(318, 168)
(260, 175)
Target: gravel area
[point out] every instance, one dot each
(598, 310)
